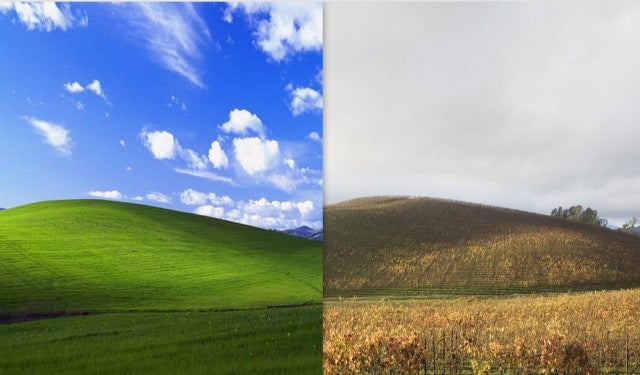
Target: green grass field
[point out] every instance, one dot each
(275, 341)
(155, 283)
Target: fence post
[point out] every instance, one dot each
(433, 349)
(626, 355)
(444, 352)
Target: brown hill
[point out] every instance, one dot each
(422, 246)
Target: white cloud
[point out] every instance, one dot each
(228, 15)
(217, 156)
(256, 155)
(305, 208)
(262, 212)
(54, 134)
(277, 214)
(209, 210)
(287, 177)
(311, 176)
(284, 182)
(204, 174)
(305, 99)
(96, 88)
(74, 87)
(288, 28)
(45, 15)
(192, 197)
(241, 121)
(111, 194)
(174, 33)
(122, 143)
(138, 198)
(158, 197)
(315, 137)
(162, 144)
(192, 158)
(290, 163)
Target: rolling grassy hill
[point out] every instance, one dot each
(165, 291)
(94, 255)
(421, 246)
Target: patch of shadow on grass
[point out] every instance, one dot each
(28, 316)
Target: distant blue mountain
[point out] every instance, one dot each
(306, 232)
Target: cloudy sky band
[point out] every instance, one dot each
(524, 105)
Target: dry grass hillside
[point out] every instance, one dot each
(422, 246)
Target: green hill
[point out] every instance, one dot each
(422, 246)
(99, 256)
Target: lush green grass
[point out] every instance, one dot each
(156, 284)
(421, 246)
(273, 341)
(92, 255)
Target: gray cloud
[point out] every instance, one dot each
(524, 105)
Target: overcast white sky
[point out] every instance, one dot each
(521, 105)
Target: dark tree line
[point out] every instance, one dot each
(577, 213)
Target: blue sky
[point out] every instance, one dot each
(208, 108)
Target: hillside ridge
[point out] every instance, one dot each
(421, 245)
(97, 255)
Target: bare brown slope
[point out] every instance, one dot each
(401, 245)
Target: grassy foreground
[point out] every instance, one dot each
(265, 341)
(579, 333)
(163, 292)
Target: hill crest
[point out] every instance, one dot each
(96, 255)
(419, 245)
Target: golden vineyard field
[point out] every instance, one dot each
(586, 333)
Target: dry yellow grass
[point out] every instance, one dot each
(586, 333)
